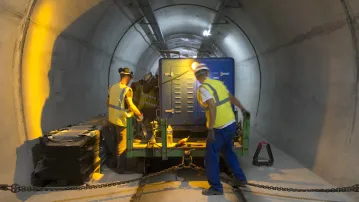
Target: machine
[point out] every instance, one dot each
(179, 109)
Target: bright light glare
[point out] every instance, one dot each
(195, 56)
(206, 33)
(194, 65)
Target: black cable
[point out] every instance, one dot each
(175, 77)
(134, 25)
(150, 45)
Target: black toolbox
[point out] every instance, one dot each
(69, 156)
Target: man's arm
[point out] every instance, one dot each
(212, 112)
(130, 104)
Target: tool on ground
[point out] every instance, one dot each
(144, 130)
(195, 145)
(257, 161)
(182, 142)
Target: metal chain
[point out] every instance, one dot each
(15, 188)
(354, 188)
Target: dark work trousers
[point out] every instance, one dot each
(121, 147)
(116, 143)
(224, 144)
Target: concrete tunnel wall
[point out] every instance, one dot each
(56, 57)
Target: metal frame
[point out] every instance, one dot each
(245, 135)
(164, 139)
(151, 21)
(206, 45)
(165, 152)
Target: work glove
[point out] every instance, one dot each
(246, 113)
(211, 135)
(140, 118)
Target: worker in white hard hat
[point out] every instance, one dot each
(214, 97)
(120, 107)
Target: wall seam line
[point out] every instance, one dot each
(351, 22)
(17, 72)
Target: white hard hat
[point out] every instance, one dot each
(200, 66)
(125, 71)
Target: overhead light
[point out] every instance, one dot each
(194, 65)
(206, 33)
(195, 56)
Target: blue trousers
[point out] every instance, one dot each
(224, 144)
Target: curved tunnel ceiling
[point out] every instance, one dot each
(296, 68)
(182, 26)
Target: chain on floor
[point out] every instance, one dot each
(15, 188)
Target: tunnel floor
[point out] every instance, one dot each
(285, 172)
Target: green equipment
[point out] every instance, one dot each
(179, 109)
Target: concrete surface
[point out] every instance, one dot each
(117, 193)
(296, 71)
(286, 172)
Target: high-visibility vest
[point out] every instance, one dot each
(117, 114)
(137, 93)
(224, 111)
(145, 100)
(149, 100)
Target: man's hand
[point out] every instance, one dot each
(211, 135)
(140, 118)
(245, 113)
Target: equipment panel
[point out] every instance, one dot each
(178, 88)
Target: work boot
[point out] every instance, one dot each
(211, 191)
(240, 183)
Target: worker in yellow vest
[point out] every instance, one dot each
(149, 97)
(214, 97)
(146, 92)
(146, 98)
(120, 107)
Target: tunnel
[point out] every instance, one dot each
(296, 69)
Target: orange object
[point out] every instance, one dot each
(182, 141)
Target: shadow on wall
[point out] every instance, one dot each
(24, 165)
(78, 87)
(78, 74)
(294, 100)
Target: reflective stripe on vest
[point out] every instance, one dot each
(117, 114)
(224, 111)
(121, 100)
(148, 100)
(218, 102)
(137, 93)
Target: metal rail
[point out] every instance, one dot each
(206, 45)
(149, 14)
